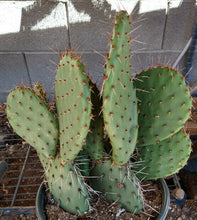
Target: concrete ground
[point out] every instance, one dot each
(33, 33)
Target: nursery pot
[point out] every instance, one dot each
(40, 201)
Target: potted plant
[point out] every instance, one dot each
(143, 118)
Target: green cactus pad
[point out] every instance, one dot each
(66, 185)
(73, 101)
(94, 140)
(117, 184)
(165, 158)
(119, 96)
(164, 103)
(32, 119)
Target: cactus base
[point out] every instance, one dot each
(41, 198)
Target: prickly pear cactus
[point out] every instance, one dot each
(73, 101)
(164, 103)
(165, 158)
(117, 184)
(33, 120)
(119, 96)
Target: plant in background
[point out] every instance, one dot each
(143, 118)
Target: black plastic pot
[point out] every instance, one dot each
(165, 200)
(40, 201)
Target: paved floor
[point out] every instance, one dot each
(37, 31)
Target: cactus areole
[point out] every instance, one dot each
(96, 133)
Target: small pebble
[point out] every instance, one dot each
(178, 193)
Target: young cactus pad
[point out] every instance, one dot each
(165, 158)
(39, 91)
(119, 96)
(117, 184)
(164, 103)
(32, 119)
(66, 185)
(73, 102)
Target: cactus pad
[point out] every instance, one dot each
(94, 142)
(66, 185)
(164, 103)
(117, 184)
(73, 101)
(119, 96)
(32, 119)
(165, 158)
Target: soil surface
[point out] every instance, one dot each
(187, 212)
(104, 210)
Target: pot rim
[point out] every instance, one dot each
(40, 200)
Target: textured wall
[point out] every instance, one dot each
(33, 33)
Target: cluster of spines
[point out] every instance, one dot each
(39, 91)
